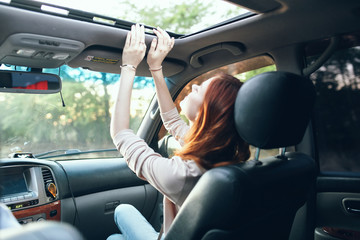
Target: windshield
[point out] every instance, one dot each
(38, 123)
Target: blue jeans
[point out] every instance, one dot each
(132, 225)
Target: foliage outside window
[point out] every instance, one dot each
(39, 123)
(181, 17)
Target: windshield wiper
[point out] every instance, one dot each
(69, 152)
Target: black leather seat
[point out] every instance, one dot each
(256, 199)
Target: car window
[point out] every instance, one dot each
(180, 17)
(337, 111)
(243, 70)
(38, 123)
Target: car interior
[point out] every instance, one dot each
(62, 178)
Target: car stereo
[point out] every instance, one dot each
(23, 187)
(16, 189)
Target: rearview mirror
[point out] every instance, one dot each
(29, 82)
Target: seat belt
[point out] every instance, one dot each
(161, 232)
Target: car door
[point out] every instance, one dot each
(336, 128)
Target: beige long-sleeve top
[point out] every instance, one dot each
(173, 177)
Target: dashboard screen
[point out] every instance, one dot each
(12, 182)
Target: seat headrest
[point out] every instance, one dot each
(273, 109)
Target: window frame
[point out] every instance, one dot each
(246, 66)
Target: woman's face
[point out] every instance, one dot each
(190, 105)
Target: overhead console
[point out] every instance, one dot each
(38, 51)
(24, 187)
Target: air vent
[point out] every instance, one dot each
(49, 183)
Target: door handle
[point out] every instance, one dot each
(234, 48)
(353, 210)
(352, 205)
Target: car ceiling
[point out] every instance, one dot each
(277, 24)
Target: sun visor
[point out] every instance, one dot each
(38, 51)
(104, 59)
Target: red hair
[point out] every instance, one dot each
(212, 140)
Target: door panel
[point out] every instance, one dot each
(335, 195)
(331, 210)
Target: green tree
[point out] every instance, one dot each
(178, 17)
(247, 75)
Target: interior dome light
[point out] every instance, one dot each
(25, 52)
(60, 56)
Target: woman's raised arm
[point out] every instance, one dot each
(159, 49)
(133, 54)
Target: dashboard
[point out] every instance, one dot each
(83, 193)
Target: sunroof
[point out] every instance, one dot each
(180, 16)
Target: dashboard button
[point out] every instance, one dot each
(6, 200)
(53, 213)
(14, 198)
(21, 197)
(28, 195)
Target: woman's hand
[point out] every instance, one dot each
(134, 49)
(159, 48)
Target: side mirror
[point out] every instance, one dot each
(28, 82)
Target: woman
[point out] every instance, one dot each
(210, 141)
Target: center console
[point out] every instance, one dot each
(30, 192)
